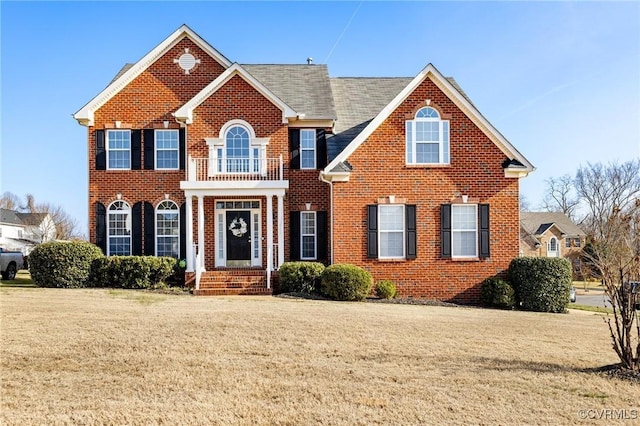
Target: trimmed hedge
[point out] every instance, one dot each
(63, 264)
(346, 282)
(541, 284)
(497, 293)
(386, 289)
(300, 277)
(133, 272)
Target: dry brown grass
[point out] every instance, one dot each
(125, 357)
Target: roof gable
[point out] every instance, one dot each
(522, 166)
(125, 76)
(185, 112)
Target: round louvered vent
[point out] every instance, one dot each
(187, 61)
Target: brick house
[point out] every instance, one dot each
(239, 168)
(551, 234)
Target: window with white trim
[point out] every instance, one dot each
(118, 149)
(167, 147)
(308, 235)
(307, 149)
(427, 138)
(391, 231)
(119, 229)
(168, 229)
(464, 230)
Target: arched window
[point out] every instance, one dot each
(427, 138)
(237, 149)
(119, 229)
(168, 229)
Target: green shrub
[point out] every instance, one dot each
(541, 284)
(386, 289)
(62, 264)
(133, 272)
(346, 282)
(498, 293)
(302, 277)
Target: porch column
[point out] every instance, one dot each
(280, 230)
(189, 233)
(269, 238)
(201, 248)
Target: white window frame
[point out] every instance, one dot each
(314, 235)
(218, 151)
(444, 137)
(403, 231)
(125, 209)
(109, 149)
(176, 149)
(312, 150)
(161, 210)
(553, 240)
(455, 230)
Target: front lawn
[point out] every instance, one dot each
(88, 356)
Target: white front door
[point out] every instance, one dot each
(238, 234)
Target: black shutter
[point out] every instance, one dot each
(136, 150)
(321, 149)
(149, 148)
(321, 235)
(294, 235)
(183, 231)
(294, 148)
(101, 151)
(149, 229)
(182, 148)
(412, 244)
(372, 232)
(483, 222)
(136, 229)
(101, 227)
(445, 231)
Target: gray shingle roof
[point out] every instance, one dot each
(303, 87)
(21, 219)
(537, 223)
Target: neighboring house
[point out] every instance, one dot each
(551, 234)
(239, 168)
(23, 231)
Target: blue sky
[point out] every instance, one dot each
(561, 80)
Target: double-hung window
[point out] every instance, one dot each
(119, 229)
(308, 149)
(391, 231)
(119, 149)
(166, 149)
(308, 235)
(168, 229)
(427, 138)
(464, 230)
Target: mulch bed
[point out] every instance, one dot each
(618, 372)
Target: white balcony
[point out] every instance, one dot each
(238, 173)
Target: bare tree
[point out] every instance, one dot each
(525, 205)
(9, 201)
(611, 194)
(561, 196)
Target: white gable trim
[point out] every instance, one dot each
(185, 112)
(85, 114)
(461, 102)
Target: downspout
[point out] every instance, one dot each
(330, 183)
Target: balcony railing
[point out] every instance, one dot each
(234, 169)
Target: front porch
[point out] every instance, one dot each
(237, 245)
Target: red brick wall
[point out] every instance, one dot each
(379, 170)
(146, 102)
